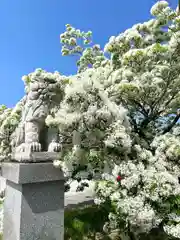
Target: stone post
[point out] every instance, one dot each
(34, 199)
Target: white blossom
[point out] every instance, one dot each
(159, 6)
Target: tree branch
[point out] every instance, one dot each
(168, 128)
(143, 110)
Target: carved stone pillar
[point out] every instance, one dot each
(34, 199)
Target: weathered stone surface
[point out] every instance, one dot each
(31, 134)
(35, 156)
(33, 95)
(74, 200)
(34, 202)
(23, 173)
(2, 184)
(1, 218)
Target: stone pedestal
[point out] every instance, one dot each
(34, 202)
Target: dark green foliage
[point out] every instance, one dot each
(84, 223)
(87, 223)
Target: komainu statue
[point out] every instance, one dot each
(44, 92)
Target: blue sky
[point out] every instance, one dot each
(30, 32)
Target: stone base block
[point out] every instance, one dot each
(34, 202)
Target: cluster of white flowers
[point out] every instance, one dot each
(159, 7)
(139, 185)
(173, 230)
(150, 176)
(139, 214)
(74, 42)
(119, 138)
(169, 145)
(9, 120)
(100, 122)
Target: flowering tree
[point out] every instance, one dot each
(123, 116)
(126, 112)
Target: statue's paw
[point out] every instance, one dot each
(54, 147)
(35, 147)
(20, 148)
(28, 147)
